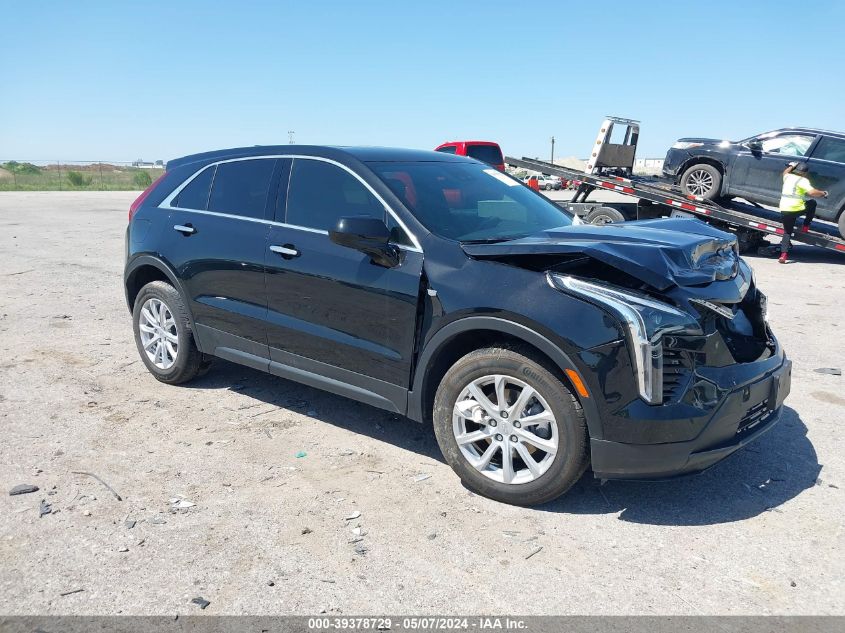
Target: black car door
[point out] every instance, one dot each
(217, 242)
(826, 168)
(332, 312)
(757, 175)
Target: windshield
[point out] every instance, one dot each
(470, 202)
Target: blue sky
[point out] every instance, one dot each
(156, 80)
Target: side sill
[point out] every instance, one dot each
(334, 386)
(313, 373)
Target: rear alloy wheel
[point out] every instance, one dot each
(159, 337)
(510, 429)
(163, 335)
(702, 181)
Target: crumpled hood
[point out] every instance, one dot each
(662, 253)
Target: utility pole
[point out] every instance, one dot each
(553, 150)
(290, 137)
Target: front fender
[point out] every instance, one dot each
(516, 330)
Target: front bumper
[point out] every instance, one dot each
(675, 159)
(747, 412)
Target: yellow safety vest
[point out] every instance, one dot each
(794, 193)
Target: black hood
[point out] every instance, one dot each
(661, 253)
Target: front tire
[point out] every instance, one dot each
(163, 335)
(702, 180)
(509, 428)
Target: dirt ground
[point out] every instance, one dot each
(270, 531)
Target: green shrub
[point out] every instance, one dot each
(78, 180)
(142, 179)
(15, 167)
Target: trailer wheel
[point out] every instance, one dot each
(749, 241)
(605, 215)
(702, 180)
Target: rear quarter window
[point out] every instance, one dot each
(449, 149)
(195, 193)
(241, 187)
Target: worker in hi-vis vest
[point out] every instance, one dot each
(795, 200)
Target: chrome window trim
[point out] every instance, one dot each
(166, 203)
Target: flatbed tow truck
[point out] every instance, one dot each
(610, 168)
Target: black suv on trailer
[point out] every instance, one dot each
(753, 168)
(439, 288)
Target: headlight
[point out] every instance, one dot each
(646, 321)
(686, 145)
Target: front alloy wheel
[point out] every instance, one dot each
(509, 426)
(702, 181)
(505, 429)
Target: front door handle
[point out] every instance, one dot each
(185, 229)
(287, 250)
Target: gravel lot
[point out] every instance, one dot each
(761, 533)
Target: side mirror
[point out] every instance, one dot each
(755, 145)
(368, 235)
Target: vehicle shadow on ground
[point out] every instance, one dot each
(759, 478)
(799, 254)
(338, 411)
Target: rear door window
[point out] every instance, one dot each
(195, 193)
(321, 193)
(489, 154)
(830, 149)
(241, 187)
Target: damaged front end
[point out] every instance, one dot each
(666, 288)
(708, 373)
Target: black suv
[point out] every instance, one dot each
(753, 168)
(439, 288)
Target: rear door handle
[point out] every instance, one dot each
(185, 229)
(286, 251)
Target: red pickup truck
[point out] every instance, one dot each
(485, 151)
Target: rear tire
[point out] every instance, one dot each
(163, 335)
(605, 215)
(702, 180)
(540, 411)
(842, 222)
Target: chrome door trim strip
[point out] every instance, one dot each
(167, 202)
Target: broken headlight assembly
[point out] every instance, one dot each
(646, 320)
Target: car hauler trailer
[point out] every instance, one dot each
(610, 168)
